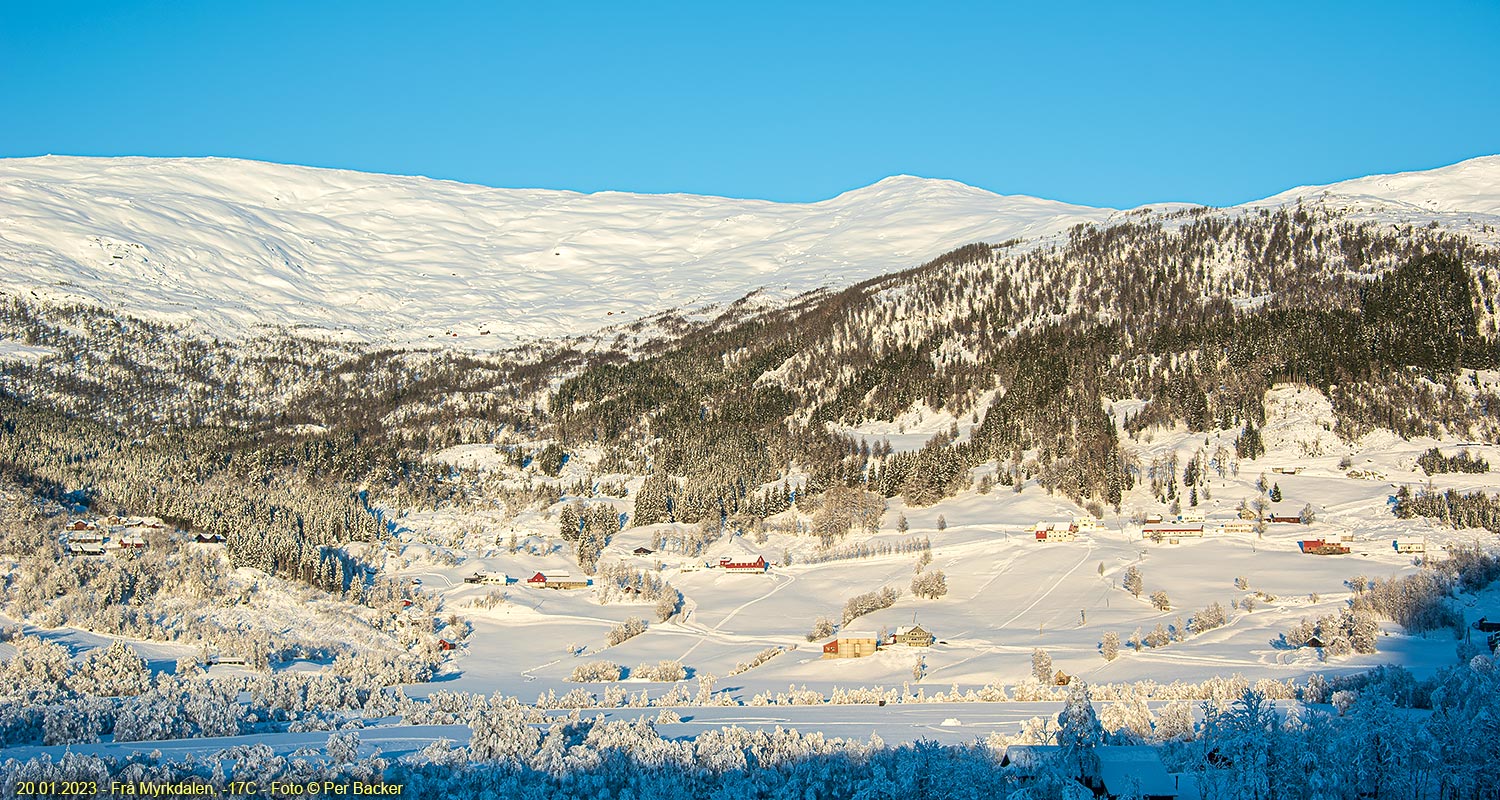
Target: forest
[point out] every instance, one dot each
(1376, 735)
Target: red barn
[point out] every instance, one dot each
(444, 644)
(758, 565)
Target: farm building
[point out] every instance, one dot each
(758, 565)
(1286, 470)
(209, 538)
(1319, 547)
(1290, 519)
(1085, 524)
(556, 580)
(80, 525)
(84, 543)
(913, 635)
(130, 541)
(1483, 625)
(1174, 530)
(445, 645)
(643, 551)
(1409, 546)
(1053, 532)
(483, 576)
(1239, 527)
(1108, 771)
(852, 644)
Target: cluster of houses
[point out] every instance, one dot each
(87, 538)
(565, 580)
(858, 644)
(83, 537)
(1045, 531)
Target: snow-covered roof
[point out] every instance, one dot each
(902, 630)
(1127, 770)
(1134, 771)
(857, 635)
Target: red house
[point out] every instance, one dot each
(1318, 547)
(556, 580)
(444, 644)
(758, 565)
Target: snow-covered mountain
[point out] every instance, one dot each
(234, 244)
(230, 245)
(1469, 188)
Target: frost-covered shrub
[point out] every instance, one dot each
(821, 629)
(667, 604)
(760, 658)
(661, 672)
(1209, 618)
(342, 748)
(110, 672)
(862, 604)
(595, 672)
(930, 585)
(629, 629)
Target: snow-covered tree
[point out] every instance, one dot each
(1041, 665)
(1109, 647)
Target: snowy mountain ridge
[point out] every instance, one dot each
(230, 245)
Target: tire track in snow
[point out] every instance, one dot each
(990, 650)
(1088, 554)
(790, 579)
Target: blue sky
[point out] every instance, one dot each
(1101, 103)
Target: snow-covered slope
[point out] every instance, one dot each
(233, 244)
(230, 245)
(1469, 187)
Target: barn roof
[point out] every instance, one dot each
(856, 635)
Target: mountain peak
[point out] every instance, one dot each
(231, 245)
